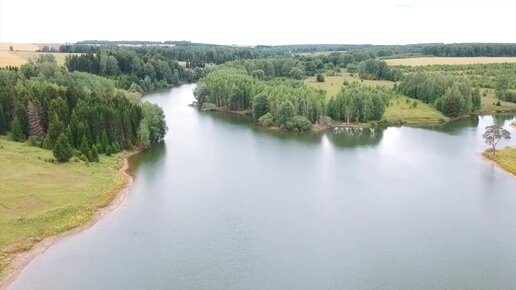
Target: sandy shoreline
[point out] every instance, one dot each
(23, 259)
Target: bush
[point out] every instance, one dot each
(498, 103)
(266, 120)
(298, 123)
(320, 78)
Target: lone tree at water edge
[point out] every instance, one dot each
(494, 134)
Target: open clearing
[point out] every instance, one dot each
(418, 61)
(39, 199)
(333, 84)
(10, 59)
(402, 108)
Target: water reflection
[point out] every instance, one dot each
(352, 137)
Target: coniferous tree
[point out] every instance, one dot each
(94, 154)
(16, 130)
(62, 149)
(55, 128)
(85, 147)
(35, 127)
(3, 121)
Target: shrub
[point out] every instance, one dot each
(266, 120)
(298, 123)
(320, 78)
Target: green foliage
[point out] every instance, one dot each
(494, 134)
(85, 146)
(266, 120)
(358, 104)
(153, 121)
(62, 150)
(298, 123)
(372, 69)
(3, 121)
(16, 131)
(285, 111)
(453, 97)
(260, 106)
(296, 73)
(319, 78)
(55, 128)
(94, 155)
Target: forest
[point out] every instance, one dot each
(74, 113)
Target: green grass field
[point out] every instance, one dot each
(333, 84)
(401, 109)
(488, 106)
(505, 158)
(39, 199)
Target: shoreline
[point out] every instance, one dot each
(493, 162)
(23, 259)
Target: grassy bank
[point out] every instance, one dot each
(412, 111)
(505, 158)
(39, 199)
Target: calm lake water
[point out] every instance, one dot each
(225, 205)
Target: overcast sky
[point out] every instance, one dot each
(260, 22)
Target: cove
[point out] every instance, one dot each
(223, 204)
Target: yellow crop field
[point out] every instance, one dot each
(19, 46)
(9, 59)
(418, 61)
(18, 58)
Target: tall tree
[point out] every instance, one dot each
(16, 130)
(494, 134)
(35, 127)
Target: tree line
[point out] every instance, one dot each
(470, 49)
(287, 103)
(452, 96)
(74, 111)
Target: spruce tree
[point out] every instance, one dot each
(108, 150)
(94, 154)
(62, 149)
(98, 144)
(16, 130)
(85, 147)
(3, 121)
(55, 128)
(35, 128)
(105, 140)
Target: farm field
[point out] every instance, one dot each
(18, 58)
(419, 61)
(19, 46)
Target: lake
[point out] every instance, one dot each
(223, 204)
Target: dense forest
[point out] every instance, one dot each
(66, 111)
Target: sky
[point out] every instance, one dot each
(267, 22)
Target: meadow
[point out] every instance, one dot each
(39, 198)
(333, 84)
(421, 61)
